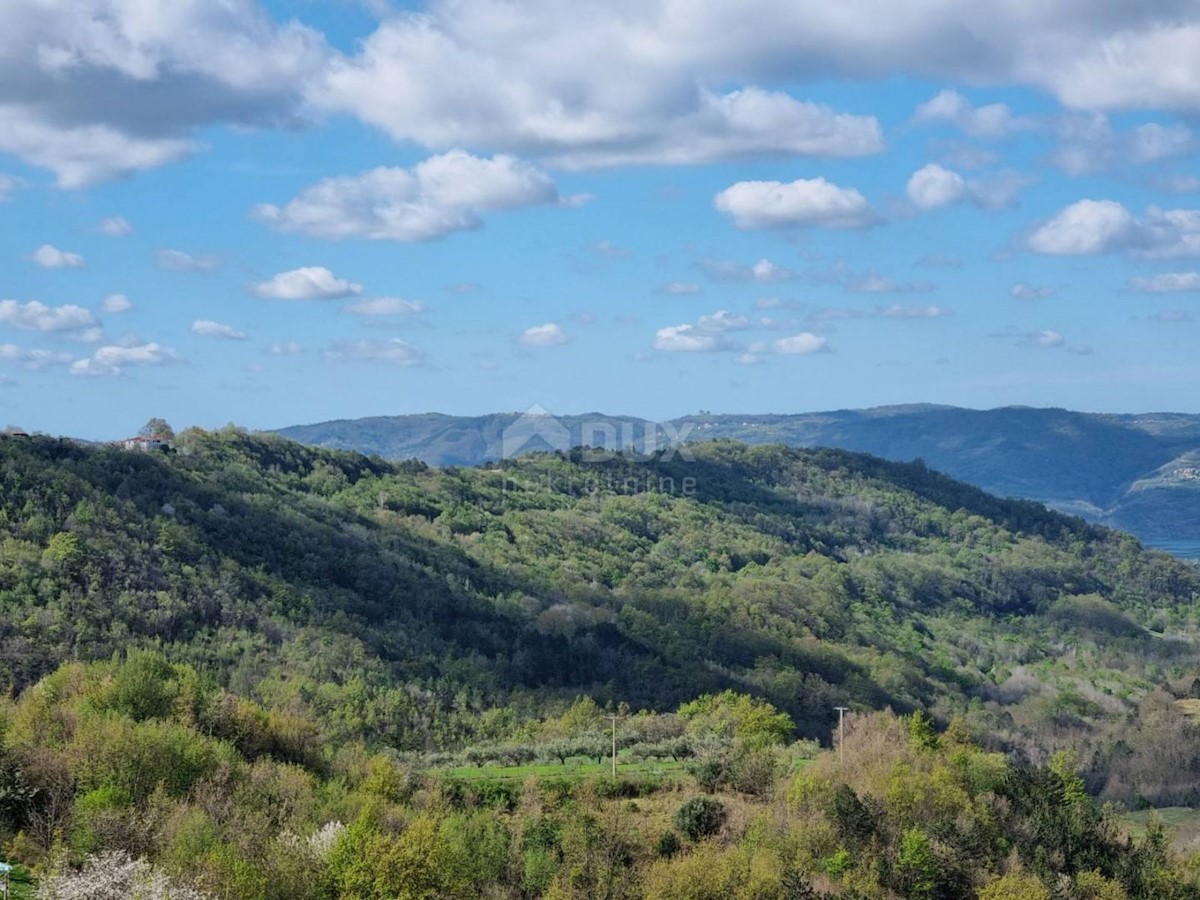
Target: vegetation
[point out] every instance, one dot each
(252, 669)
(1136, 472)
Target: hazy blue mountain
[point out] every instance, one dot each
(1138, 472)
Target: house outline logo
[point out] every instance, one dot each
(535, 426)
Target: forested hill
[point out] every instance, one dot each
(396, 602)
(1136, 472)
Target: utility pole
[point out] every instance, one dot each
(841, 711)
(614, 744)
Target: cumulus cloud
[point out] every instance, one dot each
(33, 358)
(1167, 283)
(689, 339)
(208, 328)
(381, 307)
(995, 120)
(179, 261)
(394, 352)
(1045, 338)
(1089, 143)
(307, 283)
(285, 348)
(1105, 226)
(872, 282)
(115, 226)
(116, 359)
(1023, 291)
(50, 257)
(549, 335)
(934, 186)
(1086, 227)
(680, 288)
(762, 272)
(804, 202)
(915, 312)
(434, 198)
(35, 316)
(98, 89)
(116, 303)
(801, 344)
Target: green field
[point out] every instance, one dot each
(1171, 816)
(580, 768)
(574, 768)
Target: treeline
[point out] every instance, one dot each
(140, 778)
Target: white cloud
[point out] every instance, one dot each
(115, 226)
(115, 359)
(35, 316)
(1023, 291)
(915, 312)
(179, 261)
(609, 250)
(1106, 226)
(995, 120)
(307, 283)
(116, 303)
(722, 320)
(804, 202)
(98, 89)
(801, 344)
(50, 257)
(1167, 283)
(33, 359)
(933, 186)
(207, 328)
(384, 306)
(285, 348)
(549, 335)
(1046, 338)
(680, 288)
(1089, 143)
(434, 198)
(689, 339)
(395, 352)
(762, 272)
(8, 184)
(872, 282)
(1086, 227)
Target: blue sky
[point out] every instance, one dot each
(281, 213)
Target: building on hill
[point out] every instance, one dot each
(144, 444)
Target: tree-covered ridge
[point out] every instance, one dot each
(396, 603)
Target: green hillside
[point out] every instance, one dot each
(1085, 464)
(398, 601)
(256, 669)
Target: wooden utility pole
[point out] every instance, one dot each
(841, 711)
(614, 744)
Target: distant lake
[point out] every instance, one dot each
(1182, 549)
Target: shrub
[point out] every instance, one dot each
(701, 817)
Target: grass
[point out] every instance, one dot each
(1171, 816)
(1190, 708)
(578, 767)
(574, 768)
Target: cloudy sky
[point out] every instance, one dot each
(281, 212)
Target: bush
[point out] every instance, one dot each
(701, 817)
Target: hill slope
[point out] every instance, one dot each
(1125, 471)
(396, 602)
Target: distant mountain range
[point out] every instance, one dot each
(1136, 472)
